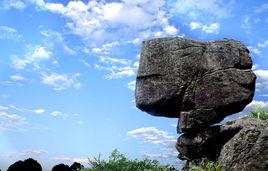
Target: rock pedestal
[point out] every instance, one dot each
(201, 83)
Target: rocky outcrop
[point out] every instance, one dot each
(248, 149)
(212, 143)
(201, 83)
(198, 82)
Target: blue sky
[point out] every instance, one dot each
(68, 72)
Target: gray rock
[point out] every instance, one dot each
(247, 150)
(193, 146)
(198, 82)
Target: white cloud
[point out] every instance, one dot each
(40, 53)
(61, 81)
(105, 48)
(27, 153)
(169, 154)
(262, 78)
(53, 37)
(39, 111)
(34, 57)
(263, 44)
(110, 60)
(246, 24)
(262, 8)
(80, 122)
(81, 160)
(211, 29)
(61, 158)
(11, 122)
(4, 108)
(94, 20)
(162, 139)
(255, 67)
(257, 104)
(59, 114)
(115, 72)
(16, 4)
(131, 85)
(67, 158)
(254, 50)
(262, 74)
(9, 33)
(17, 78)
(56, 113)
(154, 136)
(203, 9)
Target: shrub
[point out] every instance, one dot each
(206, 165)
(259, 113)
(118, 162)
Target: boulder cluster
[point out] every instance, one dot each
(32, 165)
(201, 83)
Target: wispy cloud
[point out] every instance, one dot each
(9, 33)
(115, 72)
(58, 114)
(246, 25)
(203, 9)
(263, 44)
(94, 20)
(105, 48)
(131, 85)
(39, 111)
(254, 50)
(70, 159)
(9, 4)
(17, 78)
(161, 139)
(256, 104)
(27, 153)
(61, 81)
(154, 136)
(261, 8)
(34, 57)
(168, 154)
(52, 38)
(210, 29)
(11, 122)
(262, 78)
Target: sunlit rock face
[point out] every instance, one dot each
(198, 82)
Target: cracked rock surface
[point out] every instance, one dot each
(198, 82)
(247, 150)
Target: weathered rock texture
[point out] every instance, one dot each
(201, 83)
(247, 150)
(198, 82)
(210, 142)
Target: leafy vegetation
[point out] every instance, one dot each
(206, 165)
(259, 113)
(119, 162)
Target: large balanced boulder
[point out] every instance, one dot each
(198, 82)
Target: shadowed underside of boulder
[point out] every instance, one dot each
(198, 82)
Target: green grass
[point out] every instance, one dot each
(119, 162)
(260, 114)
(206, 165)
